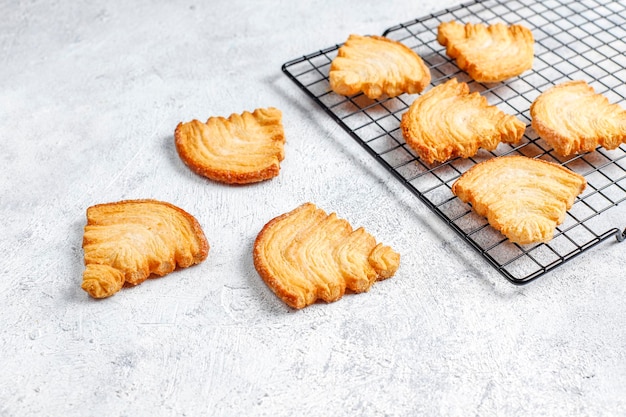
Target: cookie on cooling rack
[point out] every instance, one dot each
(376, 65)
(524, 198)
(448, 121)
(305, 255)
(242, 149)
(127, 241)
(488, 53)
(573, 119)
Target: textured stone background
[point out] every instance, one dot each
(90, 93)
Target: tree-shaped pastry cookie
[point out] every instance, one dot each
(242, 149)
(306, 255)
(488, 53)
(573, 119)
(128, 241)
(448, 121)
(524, 198)
(375, 66)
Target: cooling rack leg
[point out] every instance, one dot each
(621, 236)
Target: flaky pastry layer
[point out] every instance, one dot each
(306, 255)
(488, 53)
(524, 198)
(448, 121)
(573, 119)
(376, 65)
(242, 149)
(128, 241)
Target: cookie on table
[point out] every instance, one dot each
(242, 149)
(488, 53)
(305, 255)
(128, 241)
(574, 119)
(448, 121)
(524, 198)
(377, 66)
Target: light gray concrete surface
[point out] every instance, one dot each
(90, 94)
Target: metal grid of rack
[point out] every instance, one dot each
(573, 40)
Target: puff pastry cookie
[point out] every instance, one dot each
(448, 121)
(573, 118)
(488, 53)
(242, 149)
(127, 241)
(376, 65)
(524, 198)
(306, 255)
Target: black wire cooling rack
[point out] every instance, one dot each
(573, 40)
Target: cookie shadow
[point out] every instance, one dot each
(74, 292)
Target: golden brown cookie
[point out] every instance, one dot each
(242, 149)
(375, 66)
(524, 198)
(573, 119)
(306, 255)
(448, 121)
(488, 53)
(127, 241)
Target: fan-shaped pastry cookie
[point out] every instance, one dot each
(377, 65)
(488, 53)
(448, 121)
(127, 241)
(573, 118)
(242, 149)
(306, 255)
(524, 198)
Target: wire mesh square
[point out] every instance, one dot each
(573, 40)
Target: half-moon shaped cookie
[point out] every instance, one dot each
(448, 121)
(242, 149)
(488, 53)
(573, 119)
(524, 198)
(376, 65)
(127, 241)
(306, 255)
